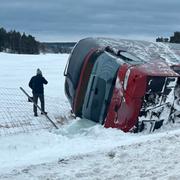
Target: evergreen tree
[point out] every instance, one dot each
(2, 39)
(14, 42)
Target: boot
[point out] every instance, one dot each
(35, 114)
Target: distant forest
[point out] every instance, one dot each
(15, 42)
(173, 39)
(57, 47)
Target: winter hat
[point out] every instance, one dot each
(39, 72)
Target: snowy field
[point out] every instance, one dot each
(80, 149)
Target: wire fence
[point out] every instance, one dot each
(16, 113)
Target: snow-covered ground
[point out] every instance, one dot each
(81, 149)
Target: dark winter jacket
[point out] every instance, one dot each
(36, 84)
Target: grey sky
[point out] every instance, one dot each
(65, 20)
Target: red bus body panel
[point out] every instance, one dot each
(126, 102)
(82, 83)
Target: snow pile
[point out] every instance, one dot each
(95, 154)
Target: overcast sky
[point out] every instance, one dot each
(66, 20)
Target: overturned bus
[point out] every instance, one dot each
(109, 85)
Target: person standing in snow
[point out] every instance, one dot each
(37, 85)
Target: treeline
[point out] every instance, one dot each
(57, 47)
(15, 42)
(173, 39)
